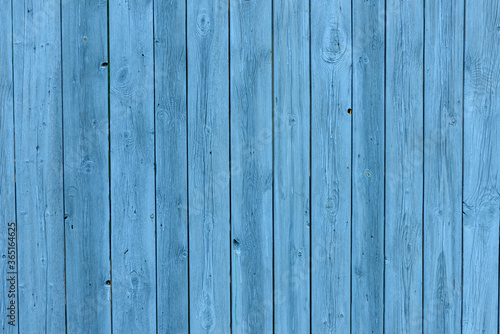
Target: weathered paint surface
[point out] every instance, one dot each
(86, 175)
(251, 166)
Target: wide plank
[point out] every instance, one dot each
(331, 148)
(368, 167)
(443, 105)
(86, 166)
(481, 192)
(171, 166)
(251, 166)
(291, 167)
(39, 165)
(404, 166)
(208, 140)
(133, 253)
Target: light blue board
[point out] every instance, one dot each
(208, 140)
(133, 253)
(291, 167)
(481, 192)
(443, 102)
(331, 126)
(86, 174)
(8, 247)
(368, 167)
(251, 166)
(404, 166)
(171, 166)
(39, 167)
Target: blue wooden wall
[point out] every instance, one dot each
(250, 166)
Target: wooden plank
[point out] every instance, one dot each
(368, 167)
(291, 163)
(86, 173)
(132, 167)
(331, 80)
(442, 170)
(9, 288)
(39, 176)
(481, 197)
(171, 166)
(404, 166)
(251, 166)
(208, 140)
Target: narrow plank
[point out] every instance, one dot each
(442, 170)
(368, 167)
(331, 80)
(481, 197)
(9, 323)
(208, 140)
(251, 166)
(291, 165)
(171, 166)
(404, 166)
(39, 176)
(86, 173)
(132, 167)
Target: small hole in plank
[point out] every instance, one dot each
(349, 111)
(104, 64)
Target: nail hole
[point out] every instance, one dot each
(104, 64)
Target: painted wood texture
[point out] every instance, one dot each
(331, 85)
(291, 167)
(404, 166)
(251, 166)
(39, 175)
(7, 185)
(171, 166)
(481, 188)
(208, 140)
(133, 253)
(368, 167)
(86, 175)
(443, 103)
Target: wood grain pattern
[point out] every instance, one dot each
(331, 80)
(251, 166)
(86, 177)
(368, 167)
(291, 167)
(39, 176)
(481, 214)
(208, 140)
(7, 185)
(443, 103)
(171, 166)
(132, 167)
(404, 166)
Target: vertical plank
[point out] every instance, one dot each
(481, 167)
(39, 177)
(251, 166)
(442, 170)
(9, 313)
(331, 80)
(86, 174)
(291, 163)
(171, 166)
(368, 167)
(404, 166)
(132, 166)
(208, 140)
